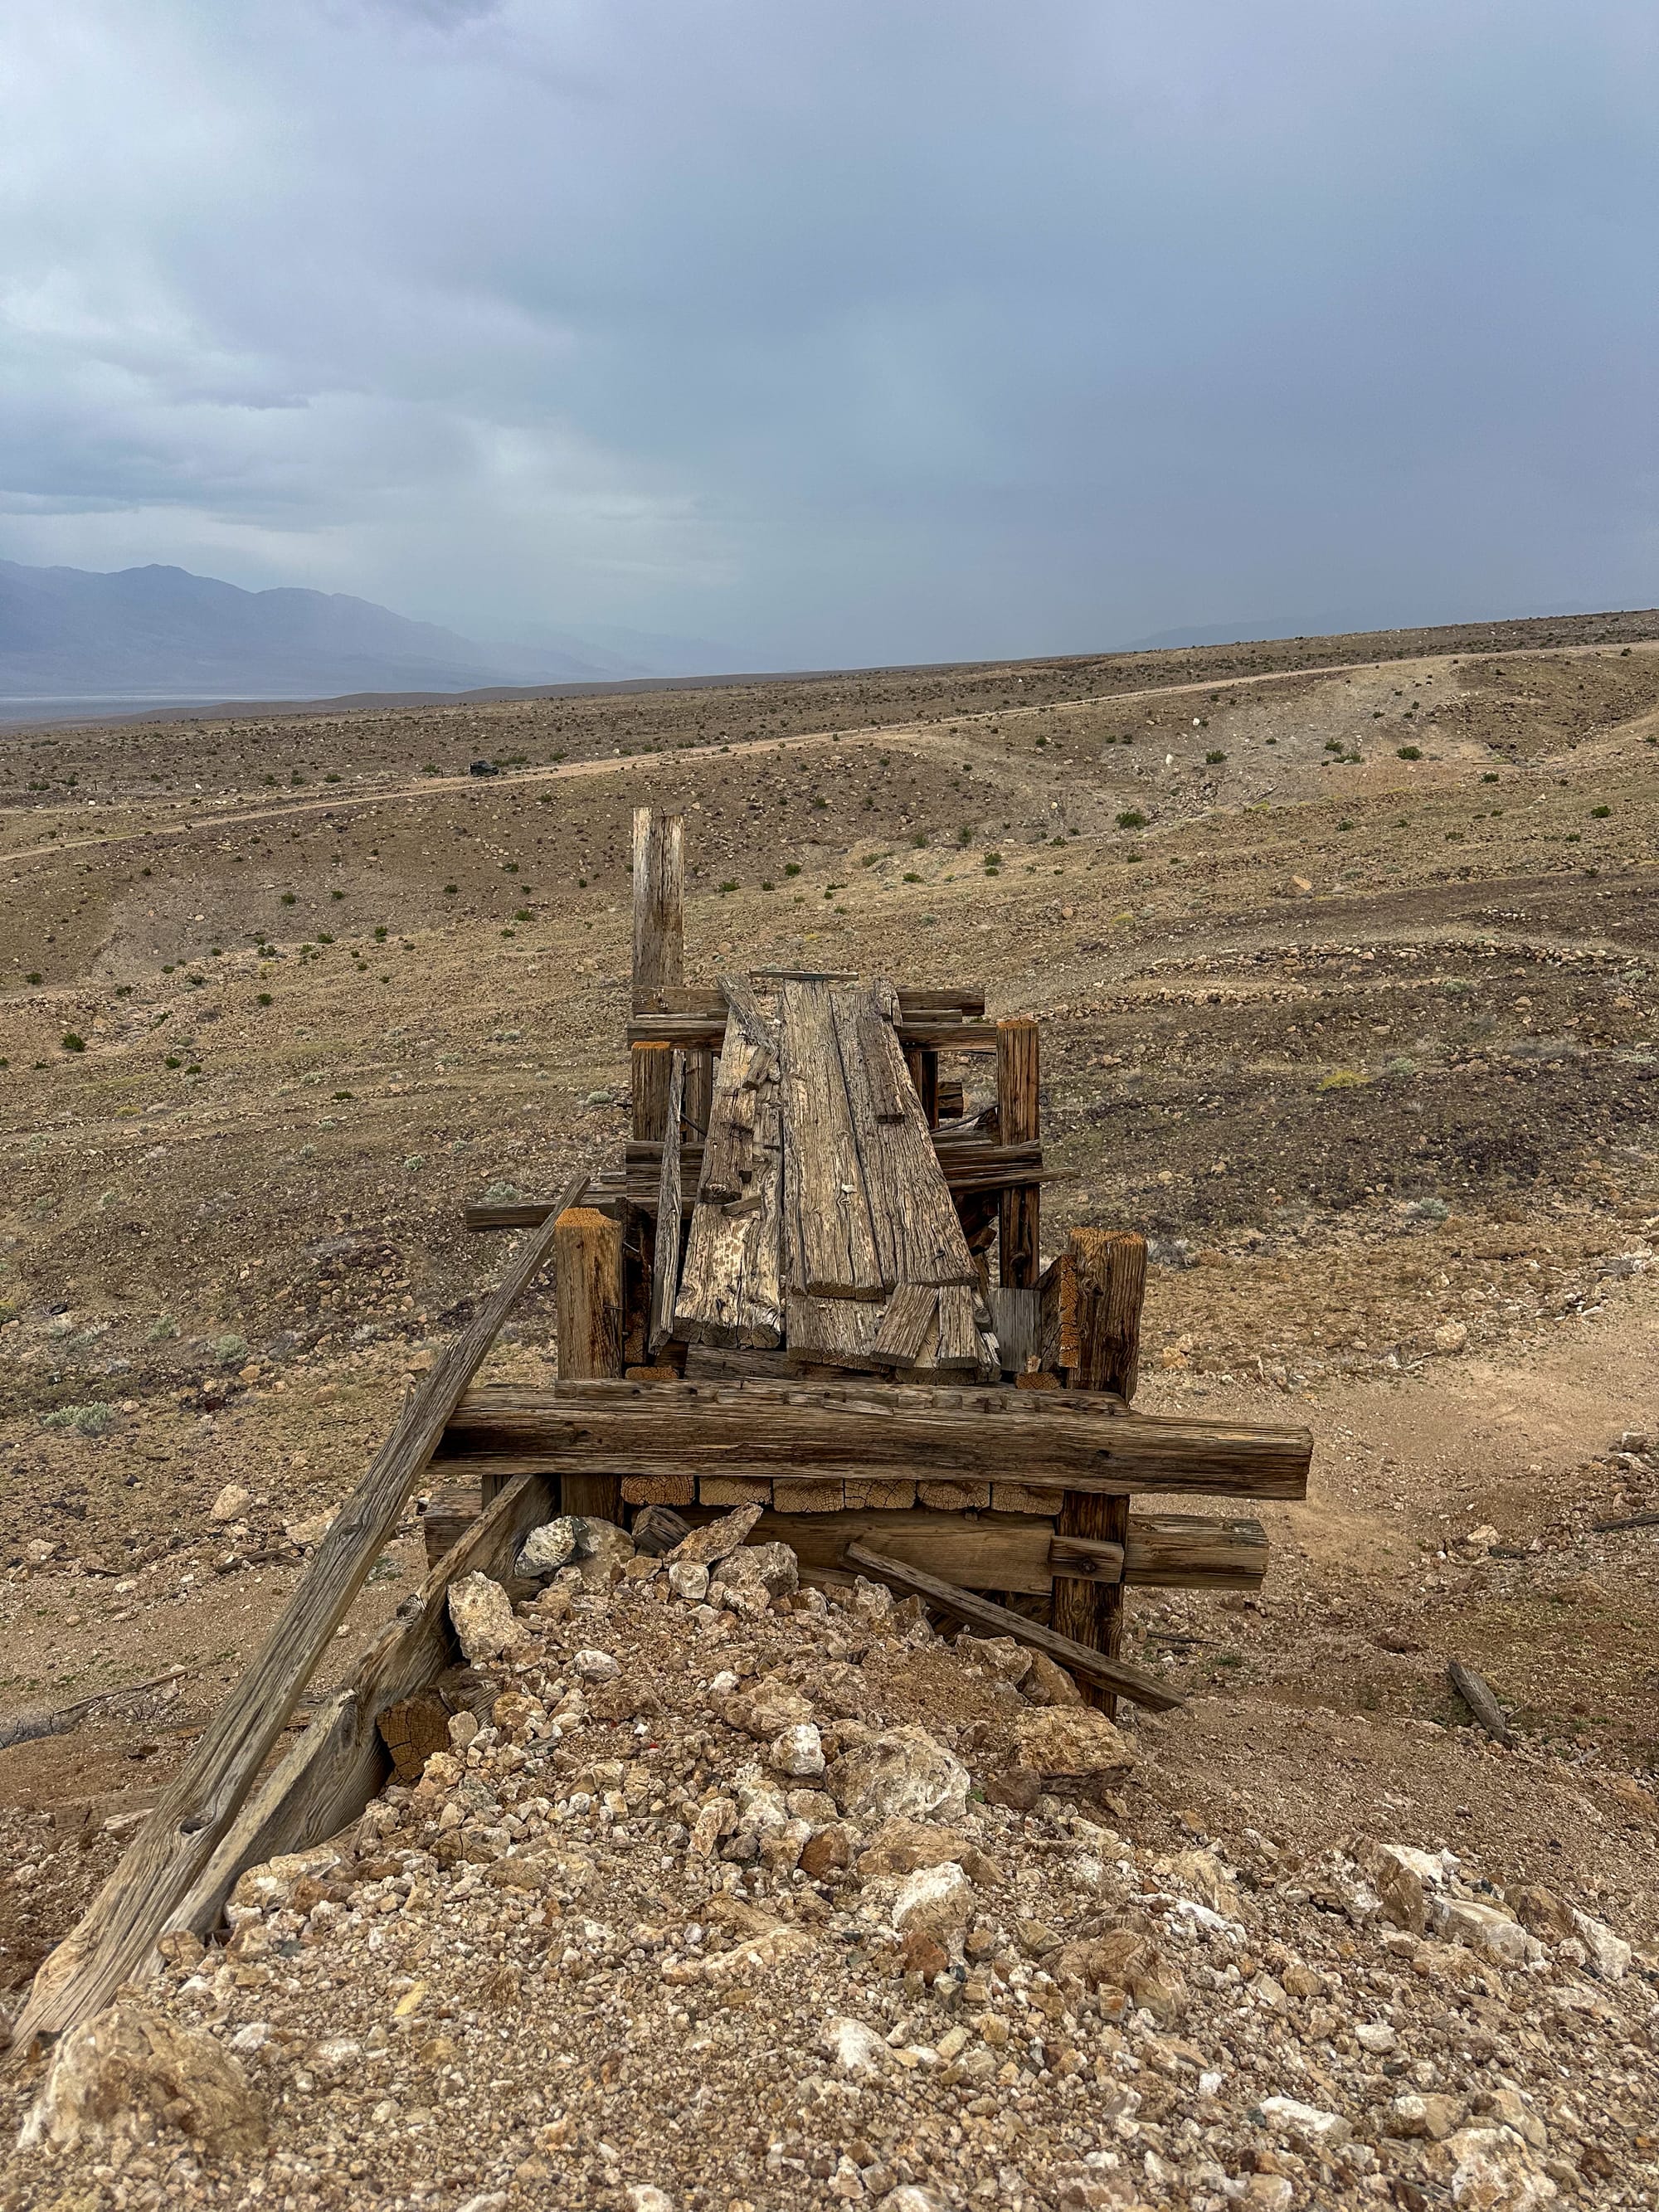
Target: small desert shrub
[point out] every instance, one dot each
(264, 998)
(1488, 776)
(414, 1162)
(379, 934)
(502, 1193)
(1132, 818)
(89, 1420)
(1215, 760)
(730, 884)
(289, 899)
(1410, 752)
(1600, 814)
(792, 867)
(162, 1329)
(73, 1043)
(228, 1348)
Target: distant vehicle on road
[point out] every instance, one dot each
(483, 768)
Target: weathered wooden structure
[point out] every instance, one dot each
(824, 1292)
(814, 1282)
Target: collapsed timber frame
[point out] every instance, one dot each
(782, 1296)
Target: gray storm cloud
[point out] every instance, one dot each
(871, 332)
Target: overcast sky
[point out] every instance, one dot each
(857, 331)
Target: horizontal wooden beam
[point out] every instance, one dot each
(981, 1551)
(1115, 1675)
(790, 1431)
(708, 1000)
(700, 1033)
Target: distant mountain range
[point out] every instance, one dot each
(152, 634)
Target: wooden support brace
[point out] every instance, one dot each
(1108, 1675)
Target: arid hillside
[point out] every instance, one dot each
(1347, 955)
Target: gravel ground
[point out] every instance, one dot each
(762, 1897)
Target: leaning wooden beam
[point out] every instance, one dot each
(167, 1858)
(790, 1431)
(330, 1772)
(1112, 1675)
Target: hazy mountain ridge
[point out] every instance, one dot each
(156, 631)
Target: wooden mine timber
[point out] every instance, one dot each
(1111, 1675)
(802, 1433)
(172, 1851)
(856, 1332)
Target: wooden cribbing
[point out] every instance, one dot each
(710, 1002)
(167, 1858)
(1018, 1121)
(588, 1286)
(700, 1033)
(790, 1431)
(331, 1770)
(731, 1288)
(1110, 1675)
(1107, 1275)
(1004, 1551)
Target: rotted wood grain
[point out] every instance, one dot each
(829, 1242)
(730, 1284)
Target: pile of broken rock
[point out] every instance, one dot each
(730, 1893)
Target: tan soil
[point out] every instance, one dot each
(1376, 1092)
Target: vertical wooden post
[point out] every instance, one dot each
(658, 951)
(1018, 1119)
(1109, 1270)
(650, 1070)
(588, 1294)
(659, 900)
(699, 1094)
(924, 1073)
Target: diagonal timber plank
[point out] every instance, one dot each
(1113, 1674)
(161, 1866)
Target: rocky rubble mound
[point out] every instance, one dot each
(739, 1895)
